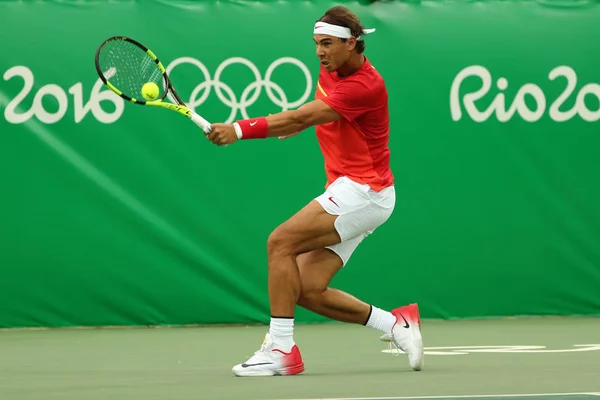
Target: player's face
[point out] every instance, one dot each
(332, 51)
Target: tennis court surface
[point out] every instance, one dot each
(519, 359)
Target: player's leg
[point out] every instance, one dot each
(400, 326)
(345, 211)
(338, 219)
(317, 268)
(310, 228)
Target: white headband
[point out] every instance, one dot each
(323, 28)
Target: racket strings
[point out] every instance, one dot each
(128, 67)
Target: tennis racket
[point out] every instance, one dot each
(125, 66)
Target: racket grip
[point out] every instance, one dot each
(201, 122)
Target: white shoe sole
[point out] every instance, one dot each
(254, 372)
(238, 370)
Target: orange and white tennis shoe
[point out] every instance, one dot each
(270, 361)
(406, 334)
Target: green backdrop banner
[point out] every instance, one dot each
(117, 214)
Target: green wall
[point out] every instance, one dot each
(117, 214)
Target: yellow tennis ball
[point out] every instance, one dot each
(150, 91)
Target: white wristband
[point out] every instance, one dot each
(238, 130)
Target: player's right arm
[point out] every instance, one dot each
(349, 100)
(287, 123)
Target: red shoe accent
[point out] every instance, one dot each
(292, 361)
(410, 312)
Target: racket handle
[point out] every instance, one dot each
(201, 122)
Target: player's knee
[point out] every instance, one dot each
(280, 242)
(311, 293)
(309, 297)
(312, 286)
(304, 301)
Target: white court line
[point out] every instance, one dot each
(469, 396)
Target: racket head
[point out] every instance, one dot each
(124, 65)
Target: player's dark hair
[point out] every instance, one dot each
(340, 15)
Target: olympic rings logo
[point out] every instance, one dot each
(251, 93)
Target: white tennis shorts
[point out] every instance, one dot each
(361, 210)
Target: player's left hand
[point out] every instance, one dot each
(222, 134)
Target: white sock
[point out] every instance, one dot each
(381, 319)
(282, 333)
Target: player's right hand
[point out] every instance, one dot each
(222, 134)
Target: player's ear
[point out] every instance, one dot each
(351, 43)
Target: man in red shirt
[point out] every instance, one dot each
(350, 112)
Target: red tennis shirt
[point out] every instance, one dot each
(356, 146)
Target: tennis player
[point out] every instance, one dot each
(350, 112)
